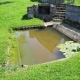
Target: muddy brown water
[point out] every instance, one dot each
(38, 46)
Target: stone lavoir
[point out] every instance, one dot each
(53, 9)
(43, 11)
(46, 11)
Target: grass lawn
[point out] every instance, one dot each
(76, 2)
(68, 69)
(11, 15)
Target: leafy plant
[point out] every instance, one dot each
(70, 48)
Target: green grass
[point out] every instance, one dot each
(68, 69)
(76, 2)
(11, 14)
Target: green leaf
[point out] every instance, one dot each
(69, 48)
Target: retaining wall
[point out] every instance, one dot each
(53, 1)
(33, 11)
(73, 13)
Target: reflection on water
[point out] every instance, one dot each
(39, 46)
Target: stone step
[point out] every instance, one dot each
(57, 14)
(61, 5)
(58, 18)
(60, 12)
(61, 9)
(64, 10)
(48, 24)
(60, 15)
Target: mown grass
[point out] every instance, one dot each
(75, 2)
(12, 13)
(60, 70)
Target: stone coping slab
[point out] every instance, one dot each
(69, 31)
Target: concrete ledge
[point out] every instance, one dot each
(68, 31)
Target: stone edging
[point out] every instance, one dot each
(68, 31)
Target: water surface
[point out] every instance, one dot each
(38, 46)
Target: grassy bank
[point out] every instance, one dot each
(61, 70)
(12, 14)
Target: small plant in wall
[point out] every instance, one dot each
(69, 48)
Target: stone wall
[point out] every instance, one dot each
(73, 13)
(30, 12)
(34, 11)
(68, 31)
(53, 1)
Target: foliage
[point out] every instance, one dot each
(70, 48)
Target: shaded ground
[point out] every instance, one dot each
(36, 0)
(7, 2)
(25, 17)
